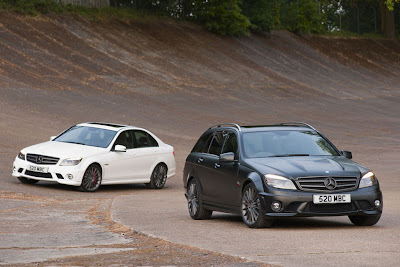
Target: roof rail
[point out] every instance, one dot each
(226, 124)
(298, 123)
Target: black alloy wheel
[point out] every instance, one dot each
(27, 181)
(252, 213)
(194, 199)
(367, 220)
(158, 177)
(91, 180)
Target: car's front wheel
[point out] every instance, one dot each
(252, 213)
(27, 181)
(367, 220)
(194, 199)
(158, 177)
(91, 180)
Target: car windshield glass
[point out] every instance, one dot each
(286, 143)
(89, 136)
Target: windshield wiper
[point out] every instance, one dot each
(291, 155)
(71, 142)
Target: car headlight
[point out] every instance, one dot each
(71, 162)
(369, 179)
(21, 155)
(279, 182)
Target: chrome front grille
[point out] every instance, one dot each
(327, 183)
(41, 160)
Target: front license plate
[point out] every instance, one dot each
(38, 169)
(331, 198)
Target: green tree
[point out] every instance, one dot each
(224, 17)
(303, 16)
(260, 13)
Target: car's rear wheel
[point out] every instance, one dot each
(27, 181)
(252, 213)
(194, 199)
(91, 180)
(367, 220)
(158, 177)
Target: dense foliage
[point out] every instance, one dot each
(238, 17)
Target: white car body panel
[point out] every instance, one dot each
(133, 166)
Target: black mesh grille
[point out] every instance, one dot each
(329, 208)
(364, 205)
(42, 160)
(38, 174)
(318, 183)
(293, 206)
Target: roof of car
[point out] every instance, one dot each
(273, 127)
(108, 126)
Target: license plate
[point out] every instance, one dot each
(38, 169)
(331, 198)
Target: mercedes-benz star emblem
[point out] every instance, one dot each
(39, 160)
(330, 183)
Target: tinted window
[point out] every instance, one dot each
(216, 144)
(230, 144)
(202, 144)
(143, 139)
(126, 139)
(286, 143)
(89, 136)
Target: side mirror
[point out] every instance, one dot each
(52, 137)
(120, 148)
(227, 157)
(347, 154)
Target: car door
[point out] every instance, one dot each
(147, 150)
(207, 169)
(121, 166)
(225, 178)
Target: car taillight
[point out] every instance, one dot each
(173, 153)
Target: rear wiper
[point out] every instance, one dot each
(291, 155)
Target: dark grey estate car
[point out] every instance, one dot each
(284, 170)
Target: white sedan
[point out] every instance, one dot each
(92, 154)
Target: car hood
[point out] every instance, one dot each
(293, 167)
(63, 150)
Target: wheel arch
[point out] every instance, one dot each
(256, 179)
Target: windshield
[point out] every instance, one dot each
(89, 136)
(286, 144)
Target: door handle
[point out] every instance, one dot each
(216, 165)
(200, 160)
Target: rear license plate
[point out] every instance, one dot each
(332, 198)
(38, 169)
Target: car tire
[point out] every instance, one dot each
(252, 213)
(92, 178)
(366, 220)
(158, 177)
(27, 181)
(195, 199)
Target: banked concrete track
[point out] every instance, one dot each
(176, 80)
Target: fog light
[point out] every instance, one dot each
(70, 176)
(276, 206)
(377, 203)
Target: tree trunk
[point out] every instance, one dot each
(387, 21)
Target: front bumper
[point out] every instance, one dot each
(300, 203)
(56, 173)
